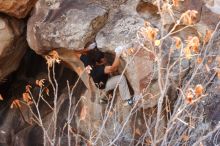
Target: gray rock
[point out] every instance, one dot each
(64, 24)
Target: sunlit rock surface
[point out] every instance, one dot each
(64, 24)
(16, 8)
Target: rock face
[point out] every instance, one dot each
(13, 45)
(64, 24)
(122, 30)
(215, 7)
(16, 8)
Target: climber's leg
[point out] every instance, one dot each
(123, 86)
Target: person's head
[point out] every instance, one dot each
(95, 56)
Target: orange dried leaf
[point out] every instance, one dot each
(207, 36)
(27, 88)
(15, 103)
(189, 98)
(52, 57)
(129, 51)
(54, 54)
(151, 33)
(1, 98)
(178, 42)
(40, 83)
(176, 3)
(198, 90)
(47, 91)
(26, 97)
(189, 17)
(193, 43)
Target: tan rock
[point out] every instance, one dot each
(16, 8)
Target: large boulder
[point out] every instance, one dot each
(122, 27)
(122, 30)
(16, 8)
(64, 24)
(67, 26)
(13, 45)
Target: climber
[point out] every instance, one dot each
(100, 72)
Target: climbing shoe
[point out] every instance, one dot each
(128, 102)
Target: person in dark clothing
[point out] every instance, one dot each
(94, 59)
(100, 72)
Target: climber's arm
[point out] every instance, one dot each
(85, 50)
(116, 63)
(79, 53)
(114, 66)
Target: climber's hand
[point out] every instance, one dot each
(119, 50)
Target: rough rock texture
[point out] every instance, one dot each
(121, 29)
(13, 45)
(214, 6)
(67, 25)
(64, 24)
(208, 20)
(16, 8)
